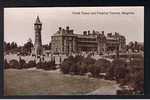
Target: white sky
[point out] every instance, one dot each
(19, 22)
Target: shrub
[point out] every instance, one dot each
(30, 64)
(14, 63)
(139, 81)
(49, 65)
(76, 58)
(82, 67)
(137, 63)
(103, 64)
(83, 64)
(72, 65)
(22, 64)
(74, 69)
(95, 70)
(117, 70)
(39, 65)
(136, 79)
(65, 66)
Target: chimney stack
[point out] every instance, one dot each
(88, 32)
(67, 28)
(84, 32)
(102, 32)
(60, 29)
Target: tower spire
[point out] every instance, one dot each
(38, 20)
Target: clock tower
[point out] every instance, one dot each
(38, 42)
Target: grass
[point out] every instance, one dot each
(35, 82)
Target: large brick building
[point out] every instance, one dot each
(64, 41)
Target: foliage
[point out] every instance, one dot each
(71, 65)
(65, 66)
(103, 64)
(22, 63)
(117, 70)
(46, 65)
(28, 46)
(76, 65)
(14, 63)
(30, 64)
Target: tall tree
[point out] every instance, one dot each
(28, 46)
(131, 45)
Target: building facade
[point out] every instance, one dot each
(64, 41)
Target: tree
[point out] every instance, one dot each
(131, 45)
(13, 45)
(14, 63)
(22, 63)
(46, 47)
(103, 64)
(28, 46)
(95, 70)
(65, 66)
(117, 70)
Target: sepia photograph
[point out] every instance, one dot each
(74, 51)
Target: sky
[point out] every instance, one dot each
(19, 22)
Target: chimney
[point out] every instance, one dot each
(88, 32)
(60, 29)
(63, 30)
(71, 31)
(116, 34)
(67, 28)
(109, 34)
(84, 32)
(94, 32)
(102, 32)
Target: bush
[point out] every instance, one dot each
(139, 81)
(74, 69)
(137, 63)
(49, 65)
(46, 65)
(82, 67)
(65, 66)
(103, 64)
(136, 79)
(94, 70)
(22, 64)
(14, 64)
(117, 70)
(76, 58)
(136, 56)
(30, 64)
(39, 65)
(71, 65)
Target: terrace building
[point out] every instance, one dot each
(65, 41)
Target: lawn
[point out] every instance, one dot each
(39, 82)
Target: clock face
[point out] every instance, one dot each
(37, 26)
